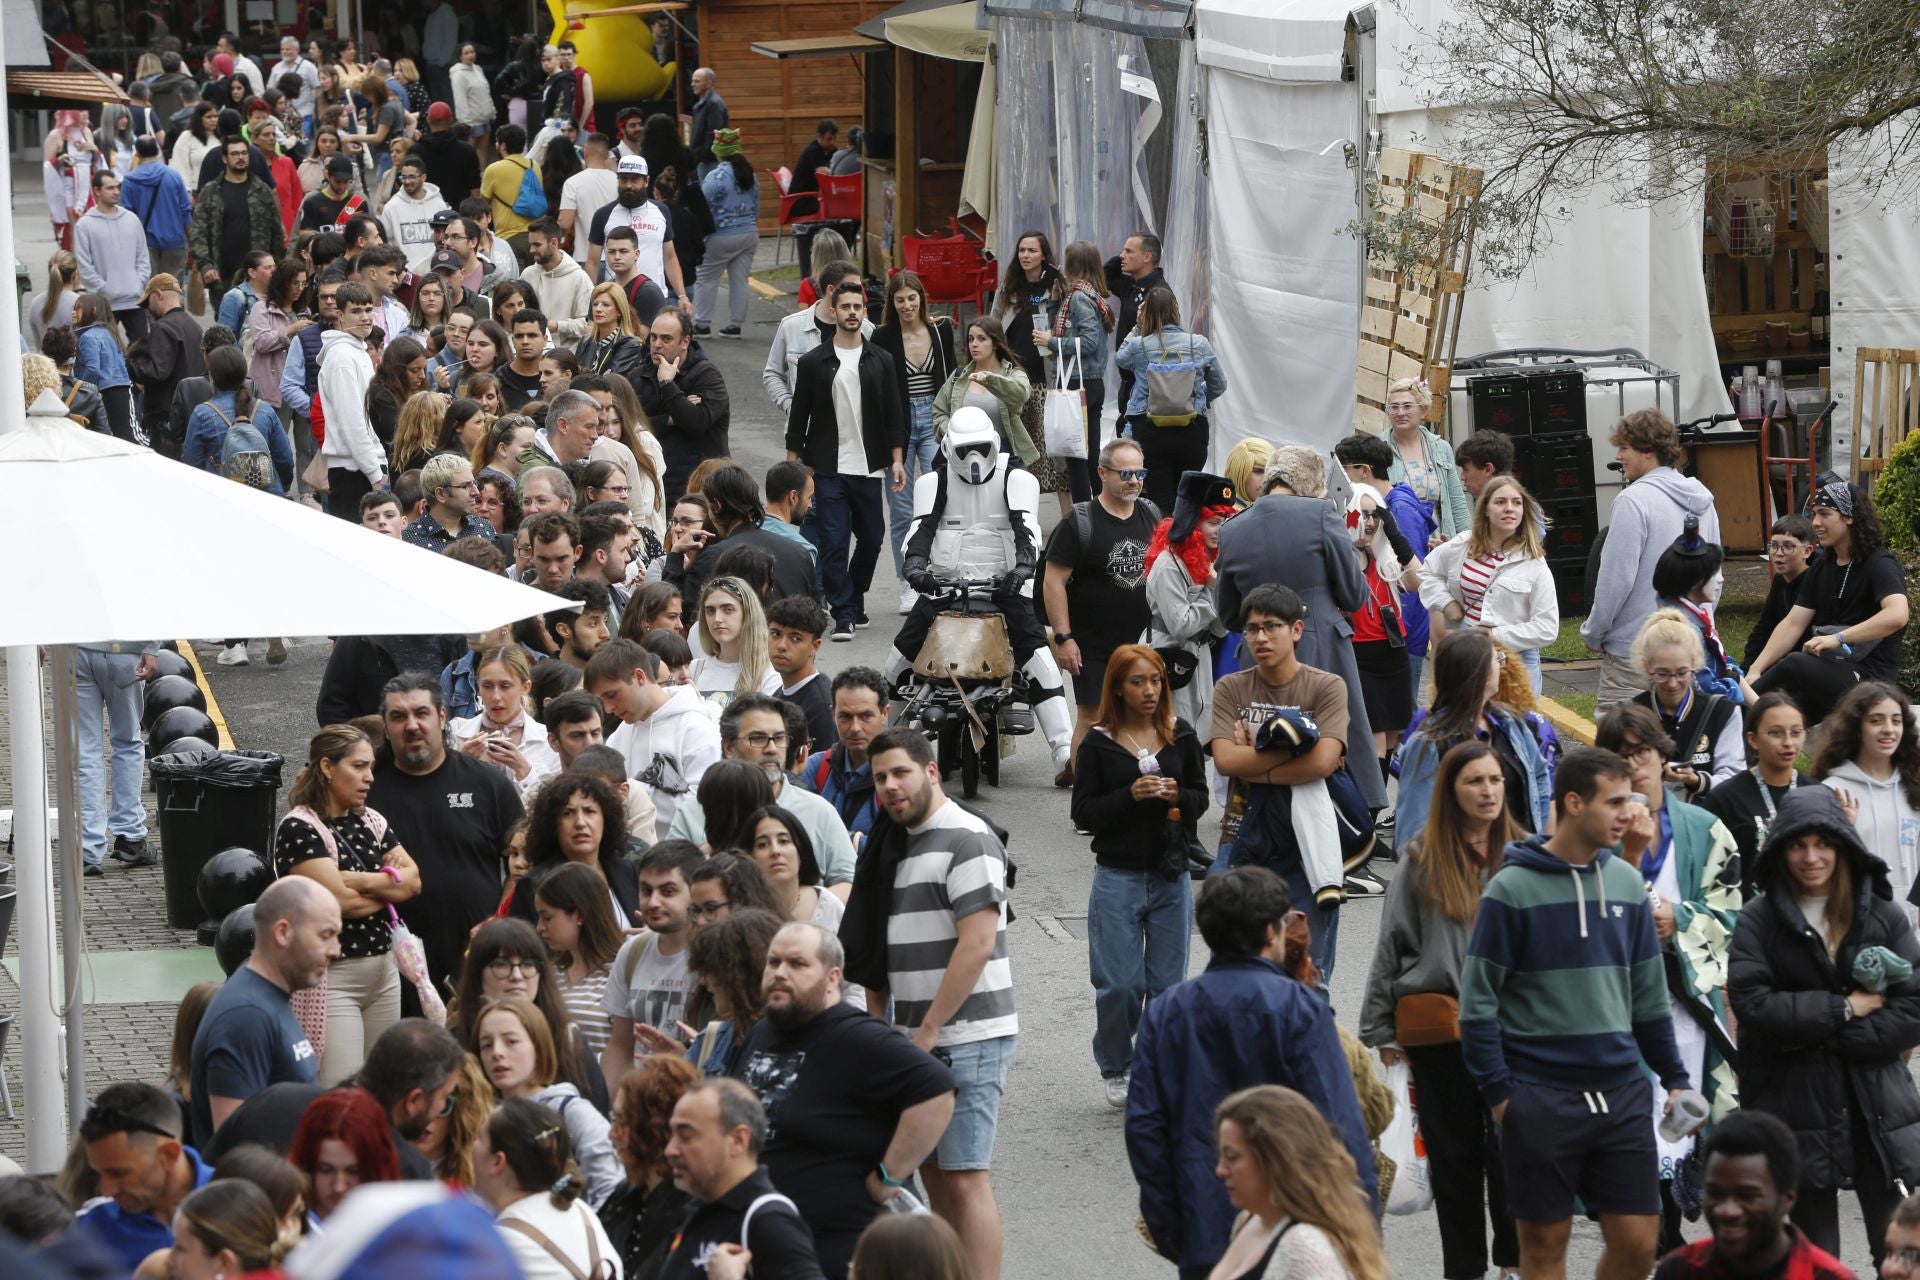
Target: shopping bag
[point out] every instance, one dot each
(1400, 1142)
(1065, 422)
(411, 959)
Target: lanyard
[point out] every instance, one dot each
(1766, 795)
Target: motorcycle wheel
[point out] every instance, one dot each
(969, 767)
(990, 756)
(946, 746)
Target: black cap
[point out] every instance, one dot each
(446, 260)
(443, 218)
(1198, 490)
(339, 165)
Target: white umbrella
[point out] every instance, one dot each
(111, 542)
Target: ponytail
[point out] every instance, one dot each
(568, 1187)
(61, 268)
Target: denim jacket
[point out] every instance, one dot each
(1137, 351)
(98, 358)
(1085, 341)
(1420, 763)
(733, 209)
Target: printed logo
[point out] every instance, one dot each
(302, 1051)
(1127, 564)
(459, 799)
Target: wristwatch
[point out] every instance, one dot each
(1061, 637)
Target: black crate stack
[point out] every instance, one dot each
(1545, 411)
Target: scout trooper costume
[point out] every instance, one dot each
(978, 518)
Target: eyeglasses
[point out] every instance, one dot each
(1127, 473)
(1666, 675)
(446, 1108)
(508, 968)
(1255, 630)
(1784, 548)
(761, 741)
(1635, 752)
(708, 910)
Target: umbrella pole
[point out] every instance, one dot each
(33, 856)
(73, 893)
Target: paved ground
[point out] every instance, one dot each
(1062, 1176)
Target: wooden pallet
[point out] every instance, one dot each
(1885, 410)
(1410, 314)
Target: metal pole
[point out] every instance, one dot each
(73, 938)
(33, 856)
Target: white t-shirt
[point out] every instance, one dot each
(586, 193)
(656, 994)
(714, 680)
(852, 458)
(651, 223)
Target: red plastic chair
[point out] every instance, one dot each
(840, 198)
(953, 269)
(783, 176)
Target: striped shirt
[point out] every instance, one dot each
(1476, 575)
(954, 868)
(585, 1005)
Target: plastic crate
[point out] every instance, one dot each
(1555, 467)
(1502, 402)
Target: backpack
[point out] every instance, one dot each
(1082, 518)
(531, 202)
(243, 456)
(1170, 380)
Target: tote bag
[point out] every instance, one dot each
(1065, 424)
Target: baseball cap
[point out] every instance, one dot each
(447, 260)
(340, 165)
(162, 283)
(443, 218)
(439, 113)
(632, 166)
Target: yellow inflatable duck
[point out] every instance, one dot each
(617, 51)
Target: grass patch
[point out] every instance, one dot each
(1736, 623)
(1579, 703)
(787, 275)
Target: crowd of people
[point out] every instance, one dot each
(714, 975)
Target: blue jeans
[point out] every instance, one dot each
(980, 1078)
(1323, 927)
(1531, 659)
(922, 448)
(1138, 931)
(111, 698)
(846, 527)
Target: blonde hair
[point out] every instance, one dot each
(623, 312)
(1302, 470)
(1414, 387)
(754, 664)
(1481, 541)
(1668, 627)
(62, 267)
(514, 659)
(1310, 1176)
(473, 1103)
(1248, 454)
(418, 426)
(37, 374)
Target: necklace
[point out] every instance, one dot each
(1139, 750)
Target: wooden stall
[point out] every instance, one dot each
(1765, 260)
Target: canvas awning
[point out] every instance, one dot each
(61, 86)
(849, 45)
(938, 28)
(1290, 40)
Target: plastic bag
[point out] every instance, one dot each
(1400, 1142)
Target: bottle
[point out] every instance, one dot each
(1822, 306)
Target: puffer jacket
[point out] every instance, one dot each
(1801, 1058)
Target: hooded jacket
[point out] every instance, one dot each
(1647, 516)
(669, 751)
(1563, 985)
(453, 166)
(589, 1138)
(112, 249)
(158, 197)
(346, 370)
(1889, 825)
(409, 223)
(562, 292)
(1801, 1057)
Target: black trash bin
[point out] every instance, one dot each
(209, 801)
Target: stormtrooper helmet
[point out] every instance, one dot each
(971, 444)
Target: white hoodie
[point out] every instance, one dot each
(409, 223)
(346, 371)
(562, 293)
(1888, 825)
(669, 751)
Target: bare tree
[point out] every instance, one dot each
(1642, 98)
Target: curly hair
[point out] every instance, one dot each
(543, 823)
(1309, 1173)
(643, 1109)
(1840, 743)
(1648, 431)
(729, 957)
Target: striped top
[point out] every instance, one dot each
(923, 379)
(954, 868)
(585, 1007)
(1476, 575)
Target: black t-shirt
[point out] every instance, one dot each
(453, 823)
(1842, 595)
(815, 697)
(1738, 803)
(833, 1092)
(249, 1039)
(296, 841)
(236, 234)
(1106, 596)
(517, 389)
(320, 211)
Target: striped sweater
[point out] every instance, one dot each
(1563, 984)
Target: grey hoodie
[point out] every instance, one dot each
(112, 250)
(1888, 825)
(1647, 516)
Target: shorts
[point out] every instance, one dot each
(1596, 1145)
(980, 1073)
(1092, 678)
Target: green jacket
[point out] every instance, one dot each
(1453, 513)
(1707, 868)
(263, 221)
(1010, 387)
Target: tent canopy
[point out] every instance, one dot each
(938, 28)
(1294, 40)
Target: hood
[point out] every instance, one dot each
(683, 701)
(566, 267)
(146, 175)
(428, 194)
(1810, 810)
(1690, 494)
(1853, 773)
(559, 1089)
(334, 339)
(1532, 854)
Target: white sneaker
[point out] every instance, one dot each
(908, 598)
(1364, 884)
(233, 655)
(1116, 1090)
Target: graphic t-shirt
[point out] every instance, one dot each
(650, 222)
(647, 986)
(1244, 698)
(1106, 596)
(248, 1040)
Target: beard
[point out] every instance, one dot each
(632, 199)
(791, 1016)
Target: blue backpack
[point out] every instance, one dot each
(243, 456)
(531, 201)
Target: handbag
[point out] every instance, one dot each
(1426, 1018)
(1182, 853)
(315, 475)
(1064, 427)
(1181, 663)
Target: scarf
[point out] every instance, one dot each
(1081, 286)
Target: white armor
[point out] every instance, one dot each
(974, 536)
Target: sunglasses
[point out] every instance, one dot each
(113, 1120)
(1127, 473)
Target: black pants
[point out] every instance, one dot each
(1168, 452)
(1818, 1211)
(345, 487)
(1082, 475)
(135, 323)
(1817, 684)
(1463, 1155)
(119, 401)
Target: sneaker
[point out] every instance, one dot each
(1064, 778)
(1116, 1091)
(908, 598)
(133, 852)
(276, 651)
(842, 632)
(94, 869)
(1364, 884)
(233, 655)
(862, 620)
(703, 331)
(731, 331)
